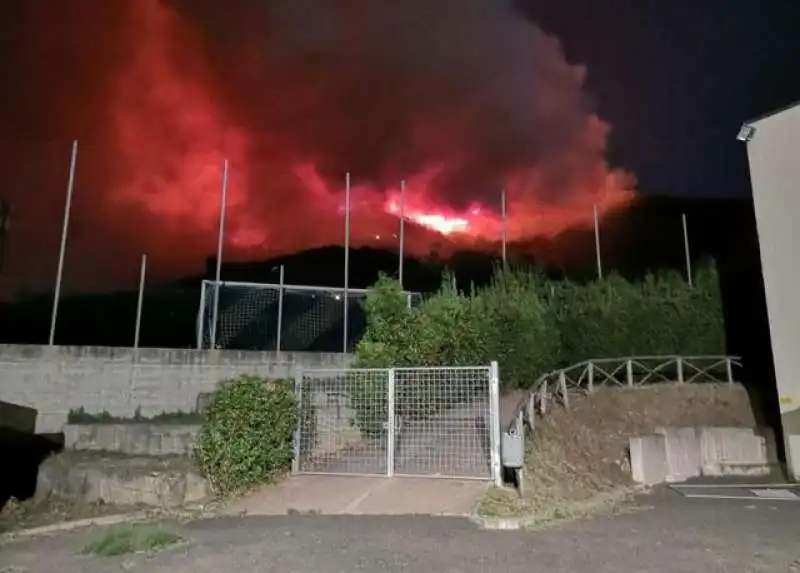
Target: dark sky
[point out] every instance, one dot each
(460, 97)
(676, 78)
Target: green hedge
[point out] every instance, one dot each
(247, 436)
(530, 324)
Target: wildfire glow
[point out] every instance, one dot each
(295, 95)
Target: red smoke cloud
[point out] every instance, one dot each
(459, 98)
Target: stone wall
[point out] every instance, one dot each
(132, 439)
(55, 379)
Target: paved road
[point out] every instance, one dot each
(677, 535)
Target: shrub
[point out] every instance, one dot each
(531, 325)
(247, 437)
(659, 315)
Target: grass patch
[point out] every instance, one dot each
(18, 515)
(538, 512)
(127, 539)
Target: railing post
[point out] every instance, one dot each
(679, 364)
(390, 423)
(298, 393)
(494, 420)
(590, 376)
(729, 369)
(629, 372)
(543, 399)
(532, 411)
(562, 387)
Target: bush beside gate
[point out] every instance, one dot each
(247, 437)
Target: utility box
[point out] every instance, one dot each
(512, 453)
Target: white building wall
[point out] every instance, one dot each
(774, 156)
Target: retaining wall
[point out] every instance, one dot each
(55, 379)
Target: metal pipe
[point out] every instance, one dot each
(139, 301)
(597, 243)
(63, 248)
(346, 261)
(402, 236)
(505, 225)
(223, 206)
(280, 312)
(686, 251)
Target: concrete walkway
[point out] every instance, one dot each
(352, 495)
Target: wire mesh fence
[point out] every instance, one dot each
(426, 421)
(256, 316)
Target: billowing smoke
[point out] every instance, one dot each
(459, 98)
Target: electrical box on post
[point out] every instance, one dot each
(512, 453)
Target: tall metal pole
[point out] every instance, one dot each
(5, 223)
(73, 159)
(597, 243)
(280, 312)
(223, 206)
(139, 301)
(504, 223)
(686, 251)
(402, 236)
(346, 260)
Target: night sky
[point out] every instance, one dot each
(677, 78)
(459, 97)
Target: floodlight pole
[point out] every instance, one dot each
(597, 243)
(346, 261)
(280, 311)
(686, 251)
(402, 235)
(139, 301)
(63, 248)
(5, 223)
(223, 207)
(504, 223)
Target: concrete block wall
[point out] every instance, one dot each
(55, 379)
(674, 455)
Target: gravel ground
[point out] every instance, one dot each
(669, 534)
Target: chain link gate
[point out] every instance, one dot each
(423, 422)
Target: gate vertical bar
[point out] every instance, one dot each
(390, 423)
(494, 423)
(298, 435)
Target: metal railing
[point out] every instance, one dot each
(631, 372)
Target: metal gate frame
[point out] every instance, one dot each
(391, 422)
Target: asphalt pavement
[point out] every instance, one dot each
(666, 534)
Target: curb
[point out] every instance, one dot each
(103, 521)
(499, 523)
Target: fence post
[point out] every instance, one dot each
(729, 369)
(544, 397)
(590, 376)
(679, 363)
(562, 387)
(298, 393)
(390, 423)
(494, 420)
(629, 372)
